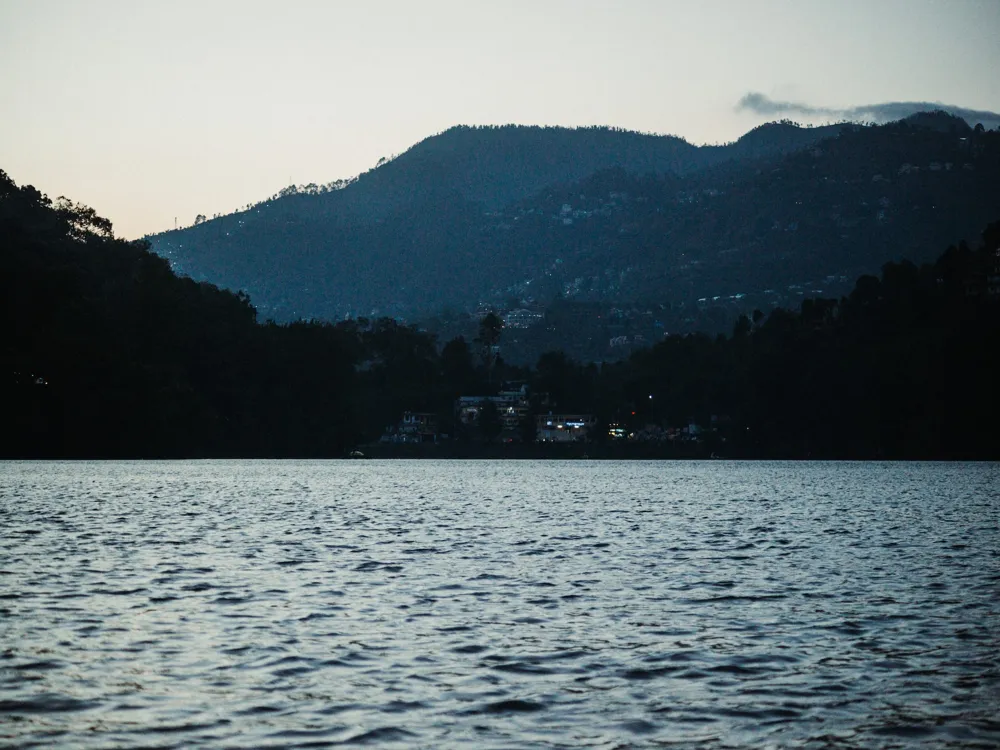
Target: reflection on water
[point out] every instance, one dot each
(499, 604)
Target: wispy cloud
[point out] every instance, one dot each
(885, 112)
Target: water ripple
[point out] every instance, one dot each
(492, 604)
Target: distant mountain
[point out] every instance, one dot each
(843, 207)
(522, 214)
(777, 138)
(941, 121)
(629, 259)
(325, 254)
(493, 166)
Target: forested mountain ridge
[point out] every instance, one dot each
(318, 251)
(492, 215)
(840, 208)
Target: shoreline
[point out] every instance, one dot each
(530, 452)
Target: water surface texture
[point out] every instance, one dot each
(499, 604)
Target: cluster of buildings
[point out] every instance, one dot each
(522, 317)
(417, 427)
(519, 421)
(512, 406)
(657, 434)
(414, 427)
(514, 412)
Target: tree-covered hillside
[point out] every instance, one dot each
(770, 231)
(411, 235)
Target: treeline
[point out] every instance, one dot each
(310, 189)
(904, 367)
(109, 354)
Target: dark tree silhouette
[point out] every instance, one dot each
(490, 328)
(489, 422)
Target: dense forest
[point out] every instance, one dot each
(110, 354)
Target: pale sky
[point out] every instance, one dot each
(149, 110)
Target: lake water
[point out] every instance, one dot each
(499, 604)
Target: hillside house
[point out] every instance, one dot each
(565, 428)
(414, 427)
(522, 318)
(512, 405)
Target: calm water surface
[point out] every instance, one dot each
(499, 604)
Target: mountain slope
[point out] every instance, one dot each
(491, 214)
(351, 250)
(842, 208)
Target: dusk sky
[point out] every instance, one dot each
(153, 110)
